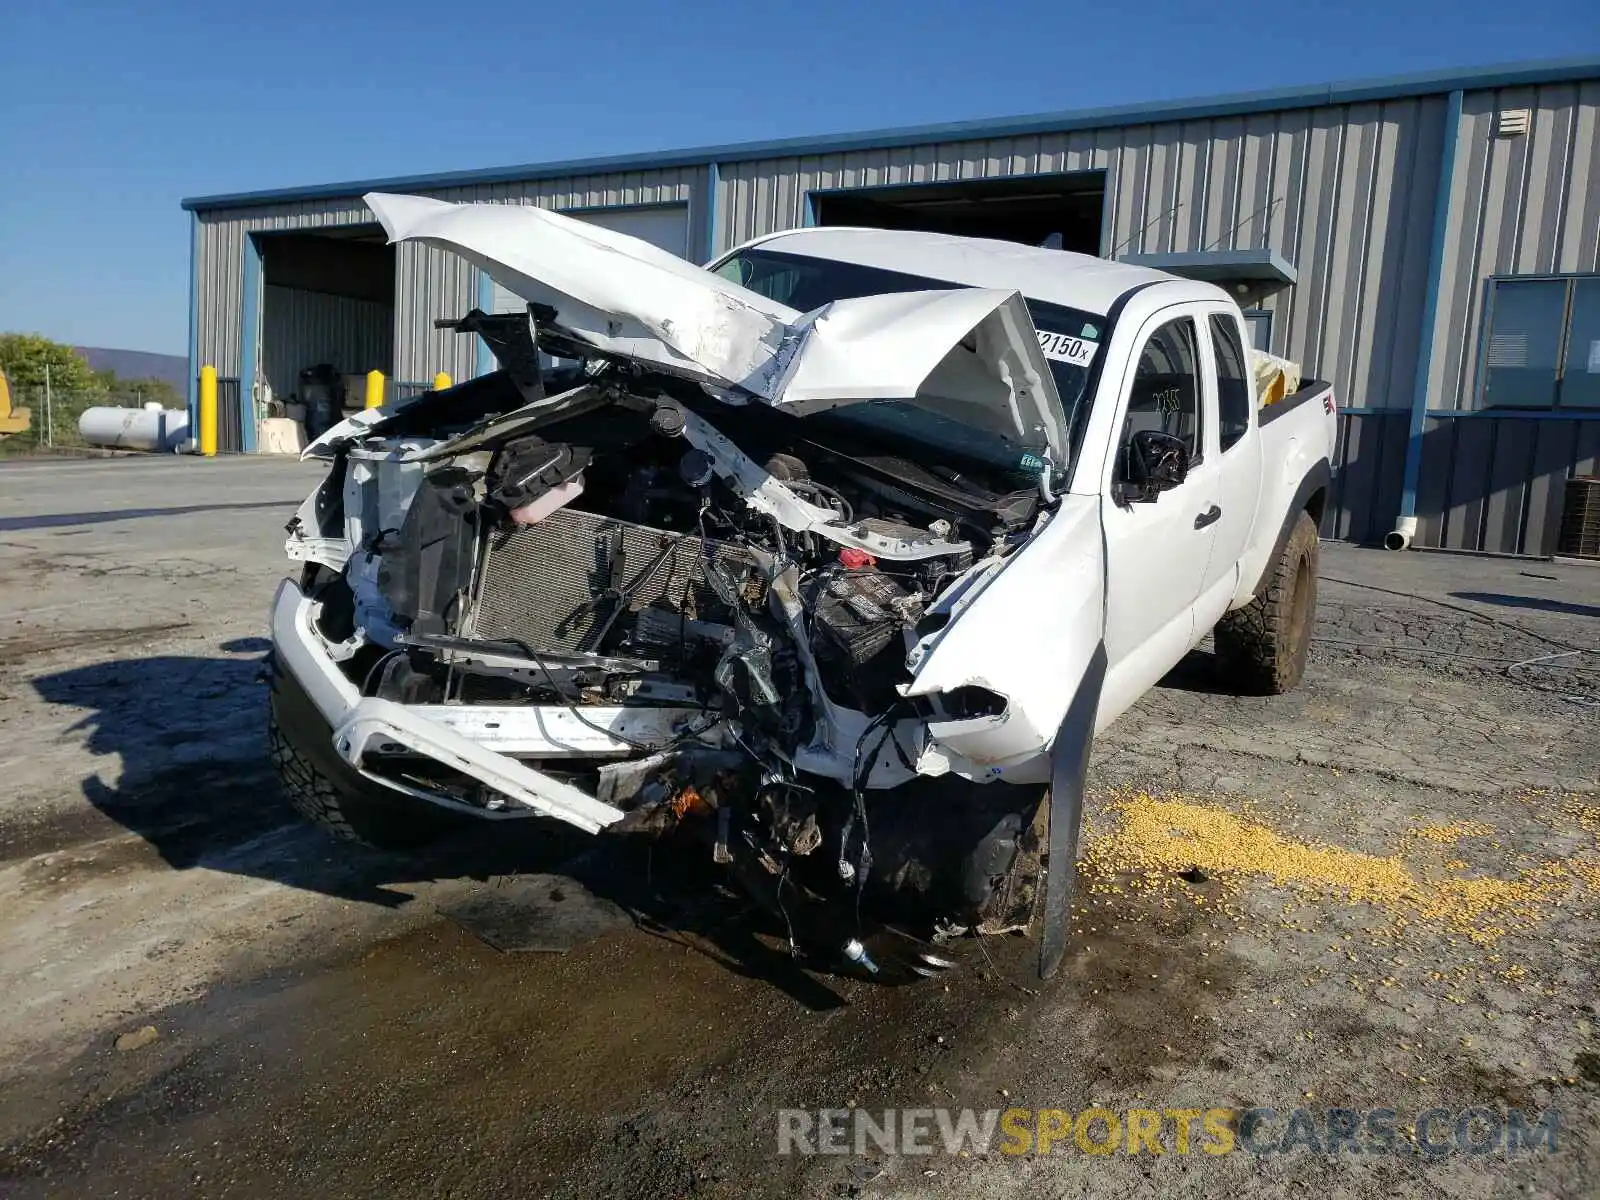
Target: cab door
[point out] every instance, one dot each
(1158, 551)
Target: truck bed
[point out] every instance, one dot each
(1310, 389)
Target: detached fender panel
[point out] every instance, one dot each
(1069, 766)
(1028, 635)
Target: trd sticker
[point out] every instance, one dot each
(1065, 348)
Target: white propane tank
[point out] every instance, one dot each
(149, 428)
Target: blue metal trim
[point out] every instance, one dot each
(194, 325)
(713, 210)
(485, 360)
(808, 210)
(1542, 276)
(1258, 264)
(1310, 96)
(1372, 412)
(1515, 414)
(1108, 218)
(1427, 346)
(249, 335)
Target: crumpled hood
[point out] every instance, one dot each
(969, 354)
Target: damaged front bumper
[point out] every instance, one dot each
(475, 740)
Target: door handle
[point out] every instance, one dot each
(1210, 516)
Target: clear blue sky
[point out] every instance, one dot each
(112, 112)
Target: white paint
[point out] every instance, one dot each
(623, 296)
(664, 226)
(1139, 578)
(375, 723)
(1062, 277)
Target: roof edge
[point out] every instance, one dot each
(1306, 96)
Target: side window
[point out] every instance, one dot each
(1233, 381)
(1166, 391)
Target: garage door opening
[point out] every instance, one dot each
(1061, 210)
(327, 318)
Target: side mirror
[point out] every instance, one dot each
(1156, 462)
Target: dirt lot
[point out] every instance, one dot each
(1382, 892)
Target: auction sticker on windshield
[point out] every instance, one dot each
(1065, 348)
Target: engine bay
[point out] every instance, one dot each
(759, 581)
(613, 560)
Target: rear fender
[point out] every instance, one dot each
(1317, 479)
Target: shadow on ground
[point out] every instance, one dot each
(1538, 603)
(59, 520)
(196, 785)
(1199, 672)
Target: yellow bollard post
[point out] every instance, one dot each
(208, 411)
(441, 381)
(374, 389)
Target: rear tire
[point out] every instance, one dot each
(325, 789)
(1262, 647)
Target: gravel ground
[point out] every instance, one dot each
(1378, 893)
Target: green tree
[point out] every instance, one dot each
(25, 356)
(140, 391)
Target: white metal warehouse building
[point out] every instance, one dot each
(1429, 244)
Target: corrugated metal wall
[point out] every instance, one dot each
(1346, 193)
(1519, 205)
(429, 283)
(219, 282)
(433, 284)
(300, 329)
(1369, 457)
(1497, 483)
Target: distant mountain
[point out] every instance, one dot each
(139, 364)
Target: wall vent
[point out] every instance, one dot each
(1513, 122)
(1580, 518)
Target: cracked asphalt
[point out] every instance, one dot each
(1387, 901)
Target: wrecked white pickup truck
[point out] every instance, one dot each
(829, 559)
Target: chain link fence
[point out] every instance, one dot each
(53, 417)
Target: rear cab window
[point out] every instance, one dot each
(1233, 381)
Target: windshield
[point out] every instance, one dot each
(1068, 339)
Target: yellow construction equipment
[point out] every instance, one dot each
(12, 420)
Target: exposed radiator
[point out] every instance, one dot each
(539, 584)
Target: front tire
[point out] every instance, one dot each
(326, 790)
(1262, 647)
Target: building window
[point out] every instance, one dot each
(1542, 347)
(1259, 322)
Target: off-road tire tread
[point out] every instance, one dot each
(309, 792)
(335, 797)
(1256, 647)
